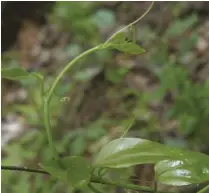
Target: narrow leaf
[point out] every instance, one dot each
(127, 47)
(119, 38)
(14, 73)
(18, 74)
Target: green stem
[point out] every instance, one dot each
(48, 96)
(98, 180)
(48, 128)
(67, 67)
(94, 179)
(134, 22)
(204, 189)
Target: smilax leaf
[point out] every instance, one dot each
(172, 166)
(125, 152)
(192, 167)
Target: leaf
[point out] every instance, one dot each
(116, 75)
(127, 47)
(78, 171)
(14, 73)
(173, 166)
(126, 152)
(118, 42)
(18, 74)
(55, 169)
(192, 168)
(73, 170)
(78, 145)
(118, 38)
(104, 18)
(180, 26)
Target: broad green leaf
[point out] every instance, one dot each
(173, 166)
(127, 47)
(126, 152)
(78, 171)
(191, 168)
(73, 170)
(55, 169)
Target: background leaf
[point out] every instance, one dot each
(18, 74)
(78, 171)
(14, 73)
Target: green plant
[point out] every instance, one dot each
(172, 166)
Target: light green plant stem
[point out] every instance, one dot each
(48, 96)
(67, 67)
(204, 190)
(131, 24)
(128, 128)
(98, 180)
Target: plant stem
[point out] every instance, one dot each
(204, 189)
(134, 22)
(67, 67)
(98, 180)
(47, 125)
(48, 96)
(94, 179)
(23, 169)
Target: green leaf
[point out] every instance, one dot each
(14, 73)
(173, 166)
(193, 167)
(78, 145)
(78, 171)
(55, 169)
(116, 75)
(73, 170)
(118, 38)
(126, 152)
(127, 47)
(18, 74)
(104, 18)
(180, 26)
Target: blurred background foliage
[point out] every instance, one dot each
(166, 89)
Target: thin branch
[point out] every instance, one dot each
(23, 169)
(206, 188)
(94, 179)
(134, 22)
